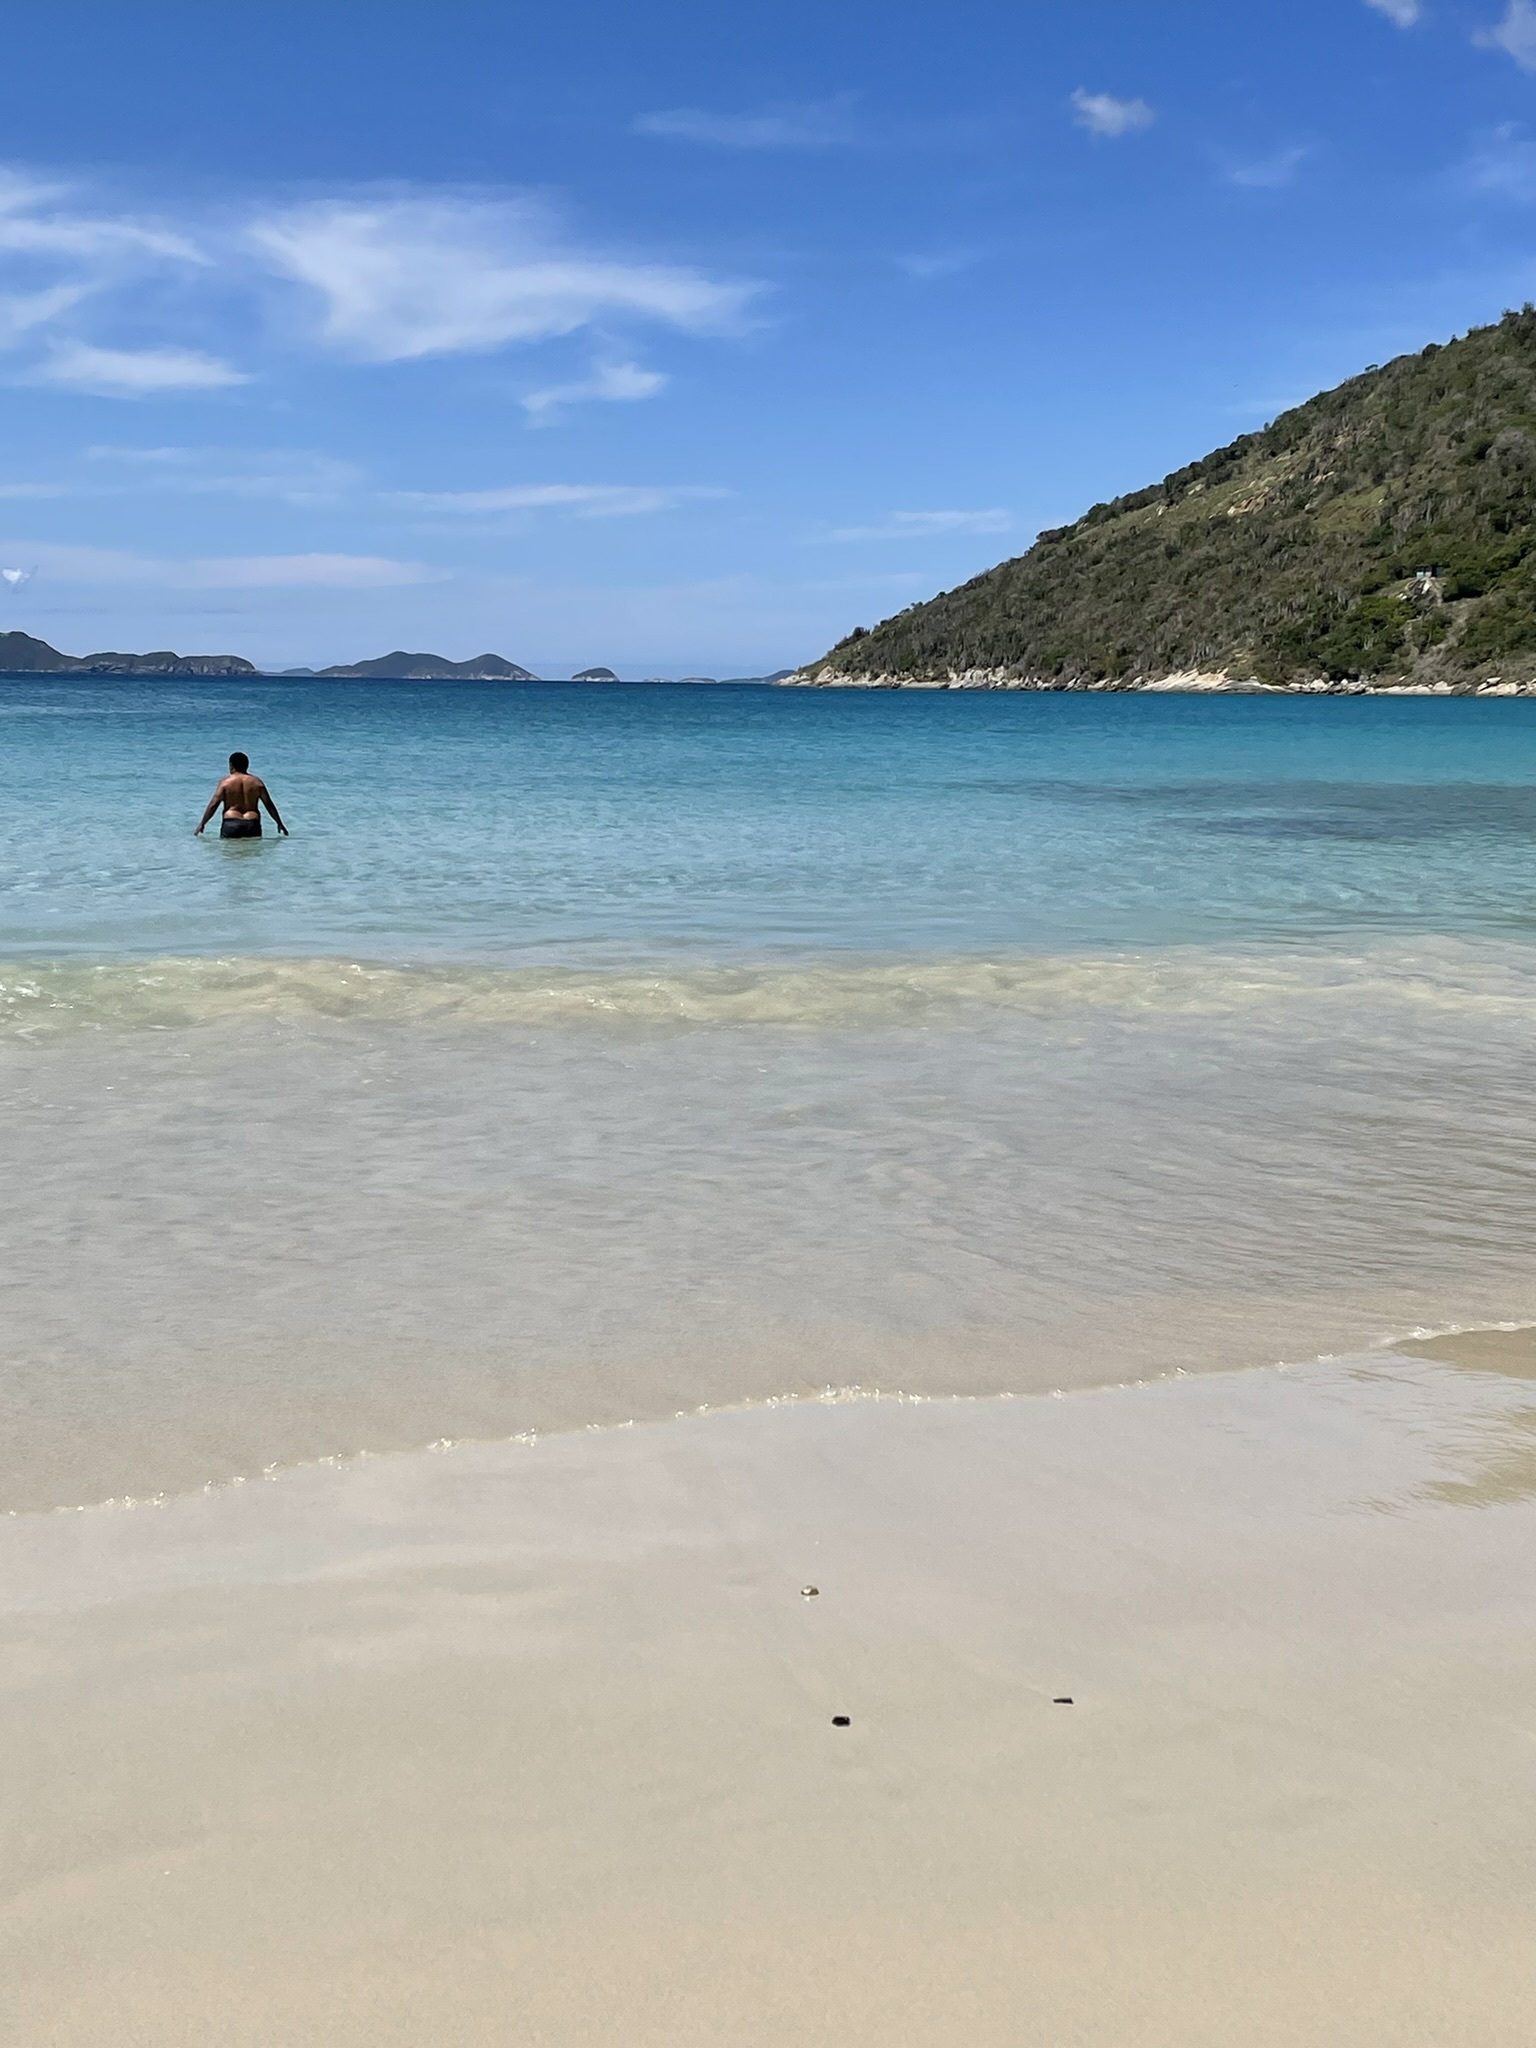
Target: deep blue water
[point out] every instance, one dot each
(590, 825)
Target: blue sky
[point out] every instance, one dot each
(685, 338)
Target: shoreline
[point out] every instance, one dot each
(1188, 682)
(537, 1742)
(1507, 1347)
(463, 1218)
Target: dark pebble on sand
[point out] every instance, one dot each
(1064, 1701)
(841, 1721)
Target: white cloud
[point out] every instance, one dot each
(923, 525)
(1268, 173)
(136, 373)
(227, 572)
(588, 501)
(620, 382)
(403, 278)
(1401, 13)
(1102, 114)
(1504, 164)
(1515, 35)
(814, 124)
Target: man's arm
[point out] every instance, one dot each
(213, 804)
(264, 795)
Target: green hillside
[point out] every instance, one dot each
(1293, 554)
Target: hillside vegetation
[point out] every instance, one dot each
(1385, 531)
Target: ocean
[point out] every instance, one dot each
(592, 1054)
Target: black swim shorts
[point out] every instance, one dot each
(240, 828)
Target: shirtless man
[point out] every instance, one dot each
(241, 793)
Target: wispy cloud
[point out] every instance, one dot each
(83, 565)
(615, 382)
(939, 263)
(136, 373)
(377, 277)
(923, 525)
(300, 477)
(587, 501)
(294, 572)
(1515, 35)
(1401, 13)
(1267, 173)
(294, 475)
(58, 254)
(21, 313)
(1504, 164)
(1104, 115)
(811, 124)
(404, 278)
(36, 221)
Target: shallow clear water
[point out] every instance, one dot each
(563, 824)
(590, 1053)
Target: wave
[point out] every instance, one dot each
(1464, 1346)
(43, 1000)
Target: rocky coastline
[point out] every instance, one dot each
(1187, 681)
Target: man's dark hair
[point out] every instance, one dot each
(239, 763)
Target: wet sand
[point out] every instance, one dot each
(453, 1225)
(535, 1742)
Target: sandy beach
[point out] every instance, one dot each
(453, 1307)
(767, 1005)
(536, 1742)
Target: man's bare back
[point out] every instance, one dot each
(243, 796)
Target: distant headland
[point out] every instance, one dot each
(22, 655)
(1381, 537)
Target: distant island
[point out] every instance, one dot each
(22, 655)
(427, 668)
(1380, 537)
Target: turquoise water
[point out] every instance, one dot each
(590, 1054)
(561, 825)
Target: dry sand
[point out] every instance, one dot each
(534, 1743)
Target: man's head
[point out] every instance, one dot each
(239, 763)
